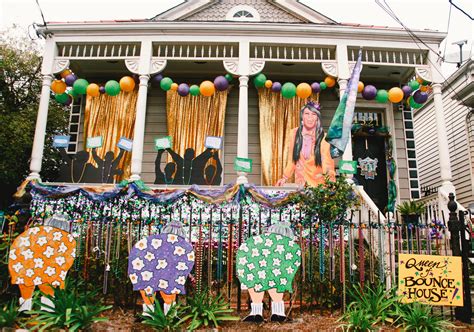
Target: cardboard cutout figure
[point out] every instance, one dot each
(75, 168)
(268, 262)
(107, 167)
(41, 256)
(309, 152)
(161, 263)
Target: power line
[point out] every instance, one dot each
(414, 37)
(461, 10)
(41, 12)
(447, 31)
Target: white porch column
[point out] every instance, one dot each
(42, 118)
(139, 129)
(242, 127)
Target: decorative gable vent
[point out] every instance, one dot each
(243, 13)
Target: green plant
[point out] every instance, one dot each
(329, 201)
(9, 314)
(357, 320)
(158, 320)
(375, 302)
(411, 208)
(204, 309)
(418, 317)
(72, 310)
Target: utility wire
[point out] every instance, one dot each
(461, 10)
(447, 31)
(41, 12)
(414, 37)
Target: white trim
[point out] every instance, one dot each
(230, 16)
(186, 8)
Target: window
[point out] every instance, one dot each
(243, 13)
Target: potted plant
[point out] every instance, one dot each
(411, 211)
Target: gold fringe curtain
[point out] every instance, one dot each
(278, 116)
(111, 118)
(191, 119)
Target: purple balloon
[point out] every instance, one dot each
(69, 101)
(420, 97)
(136, 78)
(155, 81)
(276, 87)
(406, 91)
(315, 87)
(369, 92)
(101, 89)
(70, 79)
(183, 89)
(221, 83)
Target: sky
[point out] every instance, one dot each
(415, 14)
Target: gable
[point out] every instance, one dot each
(268, 11)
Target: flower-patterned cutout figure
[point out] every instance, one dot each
(161, 263)
(268, 262)
(41, 256)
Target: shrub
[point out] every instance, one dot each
(158, 320)
(418, 317)
(9, 314)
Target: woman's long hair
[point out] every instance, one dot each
(319, 135)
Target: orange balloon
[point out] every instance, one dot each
(330, 81)
(65, 72)
(360, 86)
(127, 84)
(58, 87)
(424, 88)
(395, 95)
(268, 84)
(207, 88)
(93, 90)
(420, 80)
(174, 86)
(303, 90)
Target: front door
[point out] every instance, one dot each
(365, 149)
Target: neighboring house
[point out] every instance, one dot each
(458, 101)
(288, 41)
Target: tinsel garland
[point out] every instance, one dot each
(322, 267)
(361, 254)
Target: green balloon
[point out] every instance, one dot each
(80, 86)
(73, 94)
(112, 88)
(259, 80)
(413, 103)
(62, 98)
(323, 85)
(228, 77)
(288, 90)
(194, 90)
(414, 85)
(382, 96)
(425, 83)
(165, 83)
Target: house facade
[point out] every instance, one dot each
(288, 42)
(458, 103)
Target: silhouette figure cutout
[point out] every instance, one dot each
(75, 168)
(107, 167)
(190, 169)
(165, 177)
(213, 174)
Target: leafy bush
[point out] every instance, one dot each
(72, 310)
(418, 317)
(9, 314)
(372, 302)
(158, 320)
(357, 320)
(204, 309)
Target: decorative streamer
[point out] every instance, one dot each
(392, 272)
(209, 253)
(199, 257)
(381, 239)
(310, 259)
(351, 249)
(342, 262)
(332, 265)
(107, 255)
(371, 248)
(229, 260)
(219, 253)
(361, 252)
(418, 239)
(322, 267)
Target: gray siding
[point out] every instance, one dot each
(458, 142)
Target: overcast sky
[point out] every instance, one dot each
(415, 14)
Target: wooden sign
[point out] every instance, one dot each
(434, 280)
(125, 144)
(61, 141)
(94, 142)
(213, 142)
(243, 165)
(163, 143)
